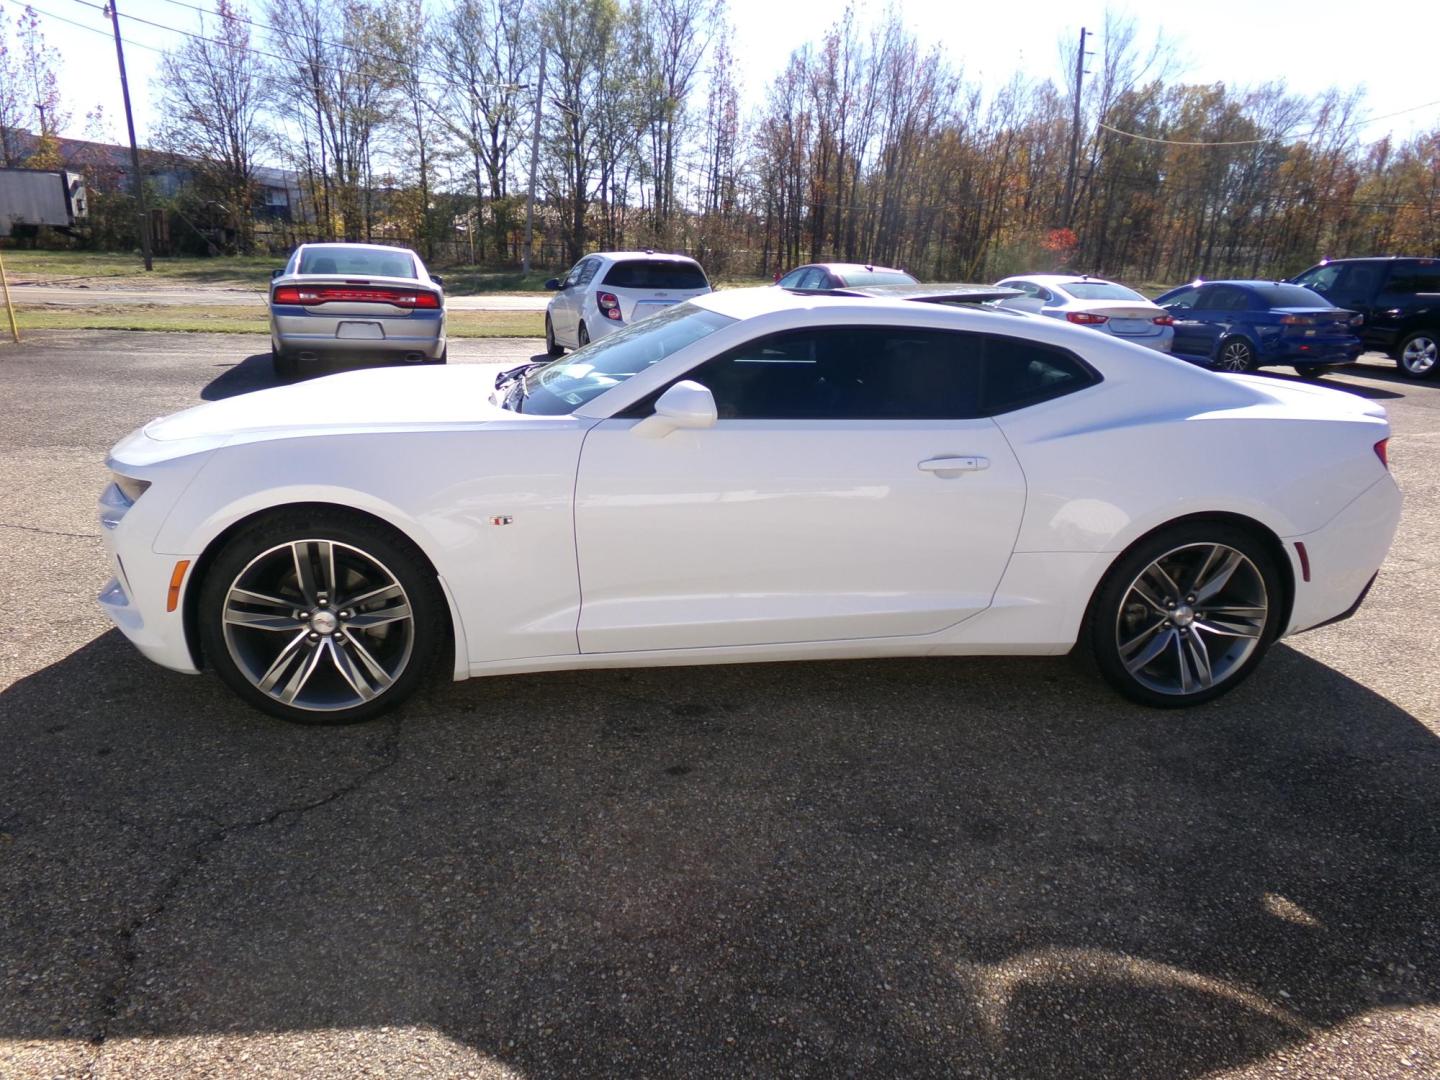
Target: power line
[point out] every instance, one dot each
(1271, 138)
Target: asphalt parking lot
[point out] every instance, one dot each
(979, 867)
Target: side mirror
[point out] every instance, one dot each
(438, 280)
(276, 273)
(553, 283)
(687, 404)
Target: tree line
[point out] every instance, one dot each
(417, 121)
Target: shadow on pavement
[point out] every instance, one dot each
(253, 373)
(883, 867)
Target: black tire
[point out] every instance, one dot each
(285, 365)
(1122, 626)
(552, 349)
(1314, 372)
(387, 658)
(1236, 355)
(582, 337)
(1418, 356)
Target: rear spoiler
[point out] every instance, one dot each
(925, 294)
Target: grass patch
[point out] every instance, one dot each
(224, 271)
(217, 319)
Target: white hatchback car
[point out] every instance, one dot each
(611, 289)
(751, 475)
(1102, 305)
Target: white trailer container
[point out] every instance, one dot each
(41, 197)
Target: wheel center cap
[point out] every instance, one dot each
(324, 622)
(1183, 615)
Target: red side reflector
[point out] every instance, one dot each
(177, 578)
(1085, 318)
(1382, 451)
(1304, 560)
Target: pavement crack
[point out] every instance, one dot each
(388, 754)
(49, 532)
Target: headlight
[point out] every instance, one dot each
(119, 495)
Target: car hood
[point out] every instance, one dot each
(373, 399)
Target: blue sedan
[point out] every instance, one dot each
(1244, 325)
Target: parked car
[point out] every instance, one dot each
(612, 289)
(338, 302)
(1094, 302)
(1245, 325)
(817, 276)
(1399, 299)
(751, 475)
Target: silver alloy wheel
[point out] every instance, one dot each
(1420, 355)
(318, 625)
(1235, 356)
(1191, 619)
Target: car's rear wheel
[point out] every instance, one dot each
(1315, 371)
(582, 337)
(1236, 355)
(444, 356)
(285, 365)
(1419, 355)
(319, 617)
(1186, 614)
(552, 348)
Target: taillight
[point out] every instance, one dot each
(310, 295)
(1086, 318)
(1382, 451)
(1296, 320)
(1164, 320)
(609, 304)
(1357, 320)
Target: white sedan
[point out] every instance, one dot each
(1101, 305)
(752, 475)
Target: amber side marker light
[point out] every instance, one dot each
(177, 576)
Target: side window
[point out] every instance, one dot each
(814, 278)
(573, 276)
(848, 373)
(1357, 283)
(1321, 278)
(1018, 373)
(792, 279)
(1030, 289)
(1223, 298)
(1409, 279)
(1183, 299)
(587, 269)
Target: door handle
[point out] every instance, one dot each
(949, 467)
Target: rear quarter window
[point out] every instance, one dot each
(660, 274)
(1019, 373)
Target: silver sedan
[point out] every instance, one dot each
(1101, 305)
(337, 302)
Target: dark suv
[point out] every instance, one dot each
(1400, 300)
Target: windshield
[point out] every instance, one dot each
(565, 384)
(356, 261)
(1290, 296)
(1100, 290)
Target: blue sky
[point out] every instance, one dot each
(1311, 45)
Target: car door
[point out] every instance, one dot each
(1409, 300)
(848, 490)
(564, 308)
(1189, 333)
(1214, 314)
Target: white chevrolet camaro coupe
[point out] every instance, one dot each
(751, 475)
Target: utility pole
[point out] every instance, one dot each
(534, 164)
(134, 149)
(1075, 133)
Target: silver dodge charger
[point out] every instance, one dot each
(336, 302)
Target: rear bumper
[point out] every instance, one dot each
(1344, 556)
(296, 332)
(1300, 352)
(1161, 342)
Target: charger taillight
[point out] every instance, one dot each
(312, 295)
(609, 304)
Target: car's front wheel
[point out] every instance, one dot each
(1186, 614)
(1236, 355)
(320, 617)
(552, 347)
(1419, 355)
